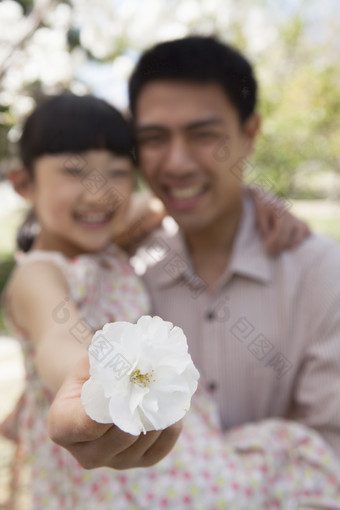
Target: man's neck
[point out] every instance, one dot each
(211, 248)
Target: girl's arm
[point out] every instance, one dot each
(94, 444)
(279, 229)
(36, 293)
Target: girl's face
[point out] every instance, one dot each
(80, 199)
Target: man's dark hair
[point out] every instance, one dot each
(202, 60)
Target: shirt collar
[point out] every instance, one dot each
(249, 258)
(176, 264)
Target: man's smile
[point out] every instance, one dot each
(185, 192)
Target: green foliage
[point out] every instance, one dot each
(300, 108)
(27, 5)
(4, 149)
(73, 38)
(6, 266)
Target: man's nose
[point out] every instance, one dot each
(178, 157)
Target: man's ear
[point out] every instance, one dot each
(251, 129)
(21, 182)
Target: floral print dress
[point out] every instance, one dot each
(267, 465)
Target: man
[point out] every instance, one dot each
(264, 332)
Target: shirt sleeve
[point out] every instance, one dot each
(316, 401)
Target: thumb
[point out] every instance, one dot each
(67, 419)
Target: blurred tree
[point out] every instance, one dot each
(294, 46)
(300, 104)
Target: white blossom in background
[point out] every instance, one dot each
(47, 41)
(11, 14)
(123, 66)
(60, 17)
(142, 377)
(22, 106)
(108, 28)
(34, 47)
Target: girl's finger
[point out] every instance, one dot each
(163, 445)
(104, 450)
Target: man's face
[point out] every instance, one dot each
(191, 148)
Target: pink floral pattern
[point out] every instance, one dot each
(273, 464)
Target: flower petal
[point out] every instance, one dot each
(122, 417)
(155, 328)
(136, 396)
(94, 401)
(142, 375)
(171, 408)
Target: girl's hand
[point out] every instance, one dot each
(278, 227)
(95, 444)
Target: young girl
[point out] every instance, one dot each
(72, 280)
(79, 177)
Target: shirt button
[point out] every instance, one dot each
(212, 386)
(210, 316)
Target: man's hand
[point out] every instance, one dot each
(278, 227)
(145, 214)
(94, 444)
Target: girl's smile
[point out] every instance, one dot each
(93, 219)
(80, 210)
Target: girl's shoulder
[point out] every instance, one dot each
(94, 282)
(112, 254)
(37, 268)
(68, 266)
(38, 257)
(34, 267)
(30, 286)
(33, 273)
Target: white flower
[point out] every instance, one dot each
(142, 376)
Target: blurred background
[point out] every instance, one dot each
(92, 46)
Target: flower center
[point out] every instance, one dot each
(141, 379)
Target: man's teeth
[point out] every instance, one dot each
(93, 217)
(183, 193)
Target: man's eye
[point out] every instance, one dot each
(76, 172)
(205, 135)
(150, 140)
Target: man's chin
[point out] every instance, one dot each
(189, 225)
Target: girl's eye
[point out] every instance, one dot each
(118, 173)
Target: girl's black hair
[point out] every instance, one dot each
(70, 123)
(74, 124)
(27, 231)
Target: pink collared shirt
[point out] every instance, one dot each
(267, 339)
